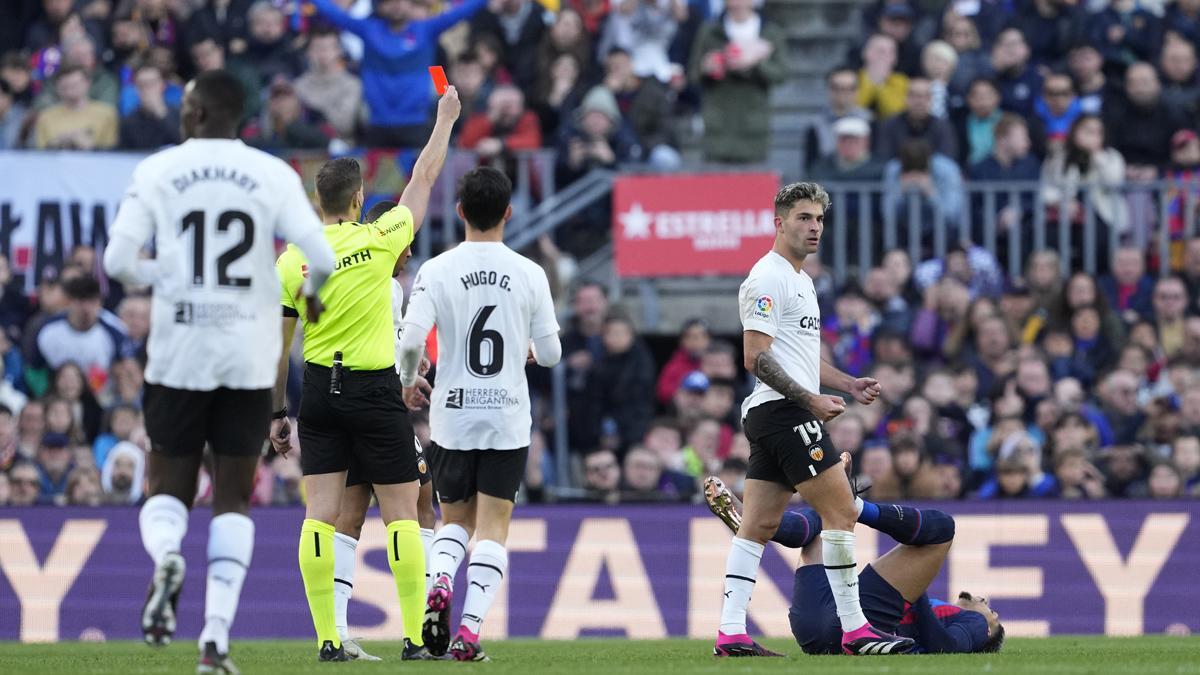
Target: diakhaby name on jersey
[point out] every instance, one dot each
(214, 173)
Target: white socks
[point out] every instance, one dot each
(447, 552)
(489, 562)
(163, 521)
(427, 542)
(837, 551)
(230, 547)
(741, 571)
(344, 557)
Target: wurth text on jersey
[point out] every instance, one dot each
(346, 261)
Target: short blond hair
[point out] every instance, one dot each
(789, 194)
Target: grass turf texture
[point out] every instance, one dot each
(1142, 655)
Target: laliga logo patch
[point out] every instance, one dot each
(816, 453)
(763, 306)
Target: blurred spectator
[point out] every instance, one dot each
(1124, 470)
(5, 489)
(519, 25)
(582, 350)
(1181, 82)
(25, 483)
(398, 49)
(226, 21)
(565, 36)
(881, 89)
(1086, 162)
(621, 387)
(1118, 401)
(977, 124)
(1164, 482)
(269, 46)
(1057, 108)
(1170, 302)
(1016, 78)
(960, 33)
(1125, 32)
(1075, 477)
(124, 423)
(77, 123)
(53, 464)
(103, 86)
(134, 314)
(736, 61)
(934, 180)
(153, 124)
(1183, 19)
(851, 159)
(560, 91)
(12, 119)
(849, 330)
(938, 61)
(286, 123)
(69, 385)
(507, 127)
(1185, 455)
(647, 479)
(81, 334)
(1145, 121)
(895, 20)
(1190, 272)
(45, 31)
(17, 74)
(694, 340)
(644, 29)
(1010, 159)
(1127, 286)
(1049, 26)
(31, 426)
(602, 475)
(599, 139)
(916, 123)
(473, 86)
(841, 88)
(328, 88)
(207, 54)
(1093, 86)
(703, 443)
(647, 106)
(83, 487)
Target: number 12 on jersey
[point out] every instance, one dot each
(194, 220)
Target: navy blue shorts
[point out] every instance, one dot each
(814, 616)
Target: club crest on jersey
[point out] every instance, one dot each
(421, 466)
(816, 453)
(763, 306)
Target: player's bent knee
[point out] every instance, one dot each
(937, 527)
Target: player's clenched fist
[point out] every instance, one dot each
(826, 407)
(449, 106)
(865, 390)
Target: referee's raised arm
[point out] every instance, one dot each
(429, 163)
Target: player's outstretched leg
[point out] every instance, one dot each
(448, 550)
(485, 573)
(163, 523)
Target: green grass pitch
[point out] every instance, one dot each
(1141, 656)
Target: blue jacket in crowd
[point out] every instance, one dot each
(395, 66)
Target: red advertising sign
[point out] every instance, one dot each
(692, 224)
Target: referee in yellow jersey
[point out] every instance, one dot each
(351, 408)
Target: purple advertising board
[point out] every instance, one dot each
(1121, 568)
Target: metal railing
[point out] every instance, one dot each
(1009, 219)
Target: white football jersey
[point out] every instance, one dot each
(488, 302)
(777, 300)
(214, 208)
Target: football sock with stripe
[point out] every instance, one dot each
(485, 573)
(837, 551)
(741, 571)
(427, 542)
(163, 522)
(316, 568)
(345, 553)
(230, 548)
(798, 528)
(909, 525)
(406, 557)
(448, 550)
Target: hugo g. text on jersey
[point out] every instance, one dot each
(485, 278)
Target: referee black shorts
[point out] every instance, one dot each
(788, 444)
(459, 475)
(235, 422)
(367, 423)
(357, 476)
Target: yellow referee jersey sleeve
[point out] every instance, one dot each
(290, 267)
(396, 228)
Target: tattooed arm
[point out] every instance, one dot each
(760, 361)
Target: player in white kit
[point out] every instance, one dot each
(490, 305)
(784, 421)
(213, 207)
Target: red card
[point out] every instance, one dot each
(439, 79)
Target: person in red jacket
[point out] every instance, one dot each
(693, 342)
(506, 127)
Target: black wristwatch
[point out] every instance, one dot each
(279, 414)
